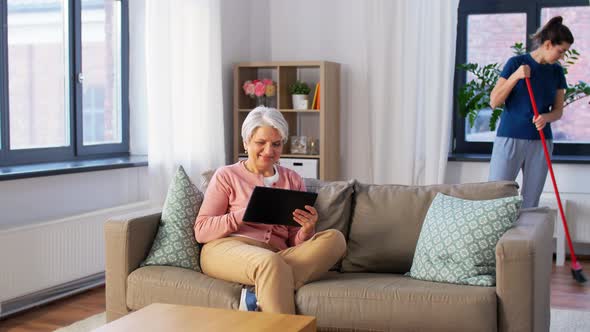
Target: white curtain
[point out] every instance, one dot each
(182, 93)
(410, 58)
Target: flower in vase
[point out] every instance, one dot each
(249, 88)
(259, 89)
(270, 90)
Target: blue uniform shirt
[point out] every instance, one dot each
(517, 119)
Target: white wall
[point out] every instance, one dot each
(329, 30)
(35, 200)
(244, 38)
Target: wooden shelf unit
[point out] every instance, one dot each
(322, 123)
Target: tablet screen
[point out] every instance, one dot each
(276, 206)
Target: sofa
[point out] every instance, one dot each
(368, 290)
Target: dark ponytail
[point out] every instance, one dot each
(553, 31)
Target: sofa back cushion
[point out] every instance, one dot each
(386, 221)
(333, 203)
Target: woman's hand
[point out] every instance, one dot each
(522, 72)
(307, 219)
(540, 121)
(504, 86)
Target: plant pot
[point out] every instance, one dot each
(299, 102)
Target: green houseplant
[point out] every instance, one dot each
(299, 91)
(474, 96)
(299, 88)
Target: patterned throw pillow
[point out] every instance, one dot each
(458, 239)
(175, 243)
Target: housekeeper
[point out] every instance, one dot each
(517, 145)
(276, 259)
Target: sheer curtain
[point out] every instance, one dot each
(410, 59)
(182, 89)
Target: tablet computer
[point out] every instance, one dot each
(276, 206)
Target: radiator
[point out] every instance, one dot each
(580, 227)
(576, 211)
(43, 256)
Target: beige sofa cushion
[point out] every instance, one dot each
(333, 203)
(386, 221)
(378, 302)
(167, 284)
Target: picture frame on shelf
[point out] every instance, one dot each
(298, 144)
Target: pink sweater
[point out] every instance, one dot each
(225, 202)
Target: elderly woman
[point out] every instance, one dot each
(276, 259)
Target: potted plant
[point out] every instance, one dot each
(474, 96)
(299, 92)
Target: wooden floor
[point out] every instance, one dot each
(57, 314)
(565, 294)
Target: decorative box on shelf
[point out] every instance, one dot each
(307, 168)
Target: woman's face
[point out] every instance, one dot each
(555, 52)
(264, 148)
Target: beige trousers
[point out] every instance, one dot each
(275, 274)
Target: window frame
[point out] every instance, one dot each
(76, 149)
(532, 9)
(3, 77)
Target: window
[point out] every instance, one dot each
(485, 32)
(63, 80)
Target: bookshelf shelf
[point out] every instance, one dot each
(296, 156)
(246, 110)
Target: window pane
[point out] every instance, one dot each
(489, 37)
(37, 69)
(574, 126)
(101, 66)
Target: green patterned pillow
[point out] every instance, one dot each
(457, 243)
(175, 243)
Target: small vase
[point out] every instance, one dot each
(271, 101)
(260, 101)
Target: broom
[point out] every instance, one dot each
(577, 272)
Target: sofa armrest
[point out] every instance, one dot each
(523, 272)
(128, 239)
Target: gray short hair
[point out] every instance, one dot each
(263, 116)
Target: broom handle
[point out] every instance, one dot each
(548, 159)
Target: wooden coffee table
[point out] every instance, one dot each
(170, 317)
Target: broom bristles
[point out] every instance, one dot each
(578, 274)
